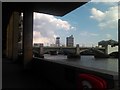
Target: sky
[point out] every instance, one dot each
(89, 24)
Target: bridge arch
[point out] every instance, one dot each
(86, 52)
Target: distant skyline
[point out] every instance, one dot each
(89, 24)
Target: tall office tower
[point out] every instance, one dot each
(57, 41)
(70, 41)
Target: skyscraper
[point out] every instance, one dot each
(57, 41)
(70, 41)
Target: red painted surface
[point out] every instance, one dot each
(94, 82)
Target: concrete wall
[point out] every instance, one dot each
(111, 49)
(64, 76)
(12, 36)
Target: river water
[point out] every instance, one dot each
(64, 57)
(110, 64)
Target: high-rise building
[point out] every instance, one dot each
(38, 44)
(70, 41)
(52, 45)
(57, 41)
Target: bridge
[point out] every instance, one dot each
(96, 51)
(68, 49)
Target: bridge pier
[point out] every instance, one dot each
(77, 49)
(41, 51)
(76, 54)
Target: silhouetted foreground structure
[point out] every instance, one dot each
(11, 17)
(24, 71)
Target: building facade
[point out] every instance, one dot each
(52, 45)
(57, 41)
(38, 44)
(108, 42)
(70, 41)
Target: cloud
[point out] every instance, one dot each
(106, 2)
(45, 27)
(97, 14)
(38, 38)
(93, 34)
(44, 19)
(85, 33)
(107, 19)
(108, 36)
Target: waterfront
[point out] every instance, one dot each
(106, 64)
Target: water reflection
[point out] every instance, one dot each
(110, 64)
